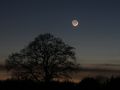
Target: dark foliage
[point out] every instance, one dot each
(46, 58)
(85, 84)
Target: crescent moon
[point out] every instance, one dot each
(75, 23)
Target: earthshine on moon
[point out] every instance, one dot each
(75, 23)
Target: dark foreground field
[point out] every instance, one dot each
(85, 84)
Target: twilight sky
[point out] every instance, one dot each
(97, 41)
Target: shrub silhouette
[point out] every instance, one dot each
(85, 84)
(89, 84)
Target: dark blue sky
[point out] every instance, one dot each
(96, 41)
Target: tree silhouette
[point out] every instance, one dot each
(46, 58)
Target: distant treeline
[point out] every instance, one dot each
(85, 84)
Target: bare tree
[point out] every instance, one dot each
(45, 58)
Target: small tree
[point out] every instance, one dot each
(45, 58)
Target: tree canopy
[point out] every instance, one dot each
(46, 58)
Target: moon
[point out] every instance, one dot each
(75, 23)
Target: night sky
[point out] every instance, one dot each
(97, 40)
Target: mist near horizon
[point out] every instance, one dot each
(92, 71)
